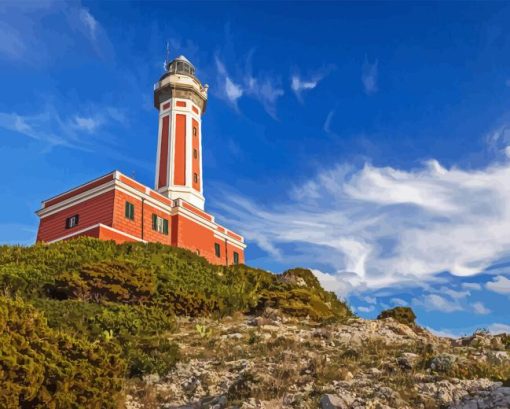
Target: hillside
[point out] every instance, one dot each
(87, 323)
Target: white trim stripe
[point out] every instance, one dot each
(86, 229)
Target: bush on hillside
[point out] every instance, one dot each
(44, 368)
(174, 279)
(301, 277)
(116, 281)
(404, 315)
(140, 331)
(152, 355)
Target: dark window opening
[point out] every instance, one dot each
(194, 131)
(217, 249)
(236, 257)
(72, 221)
(159, 224)
(195, 153)
(195, 177)
(129, 211)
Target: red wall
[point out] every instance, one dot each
(195, 237)
(99, 209)
(180, 150)
(107, 234)
(134, 227)
(195, 162)
(79, 190)
(109, 209)
(163, 154)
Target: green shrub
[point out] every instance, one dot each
(44, 368)
(116, 281)
(152, 355)
(404, 315)
(174, 279)
(96, 312)
(301, 275)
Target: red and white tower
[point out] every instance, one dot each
(181, 100)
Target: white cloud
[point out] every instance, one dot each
(89, 22)
(228, 88)
(498, 328)
(471, 286)
(380, 226)
(398, 301)
(443, 333)
(12, 45)
(54, 129)
(365, 309)
(481, 309)
(298, 85)
(26, 35)
(369, 74)
(264, 89)
(327, 123)
(86, 123)
(370, 300)
(33, 126)
(435, 302)
(500, 285)
(456, 295)
(233, 91)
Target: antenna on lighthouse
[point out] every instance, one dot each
(167, 58)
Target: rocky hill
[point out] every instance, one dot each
(276, 361)
(89, 324)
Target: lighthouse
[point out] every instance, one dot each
(119, 208)
(181, 100)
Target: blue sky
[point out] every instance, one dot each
(367, 141)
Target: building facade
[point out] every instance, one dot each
(116, 207)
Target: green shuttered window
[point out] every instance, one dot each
(159, 224)
(129, 211)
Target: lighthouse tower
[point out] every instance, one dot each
(117, 207)
(181, 100)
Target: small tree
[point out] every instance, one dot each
(404, 315)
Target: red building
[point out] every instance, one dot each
(116, 207)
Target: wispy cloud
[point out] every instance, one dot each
(498, 328)
(266, 90)
(436, 302)
(369, 76)
(54, 129)
(298, 84)
(227, 87)
(263, 88)
(89, 22)
(380, 226)
(326, 127)
(399, 301)
(12, 45)
(480, 308)
(446, 333)
(26, 36)
(499, 284)
(366, 309)
(86, 123)
(370, 300)
(471, 286)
